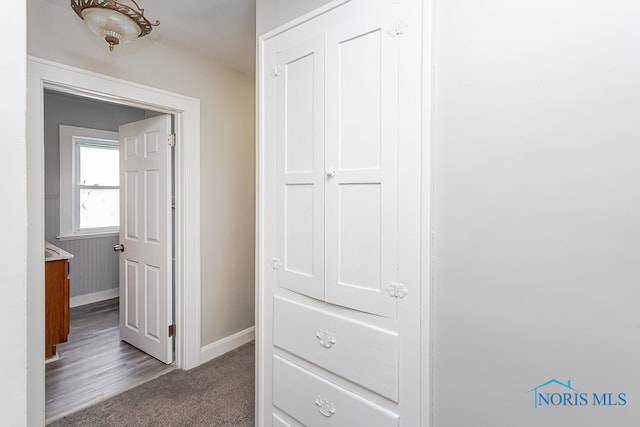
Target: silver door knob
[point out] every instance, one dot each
(331, 173)
(119, 247)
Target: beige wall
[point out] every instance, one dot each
(227, 147)
(271, 14)
(13, 251)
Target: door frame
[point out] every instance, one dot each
(43, 74)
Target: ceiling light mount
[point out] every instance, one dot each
(113, 20)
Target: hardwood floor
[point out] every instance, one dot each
(94, 364)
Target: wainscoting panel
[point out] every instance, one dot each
(94, 267)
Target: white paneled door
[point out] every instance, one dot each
(362, 154)
(336, 137)
(146, 297)
(300, 147)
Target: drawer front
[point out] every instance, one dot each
(279, 422)
(315, 401)
(356, 351)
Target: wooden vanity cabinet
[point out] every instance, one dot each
(56, 304)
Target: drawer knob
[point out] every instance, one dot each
(325, 338)
(324, 407)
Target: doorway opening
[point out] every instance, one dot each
(44, 74)
(82, 217)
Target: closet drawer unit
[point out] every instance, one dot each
(279, 422)
(315, 401)
(361, 353)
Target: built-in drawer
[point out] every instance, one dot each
(359, 352)
(315, 401)
(279, 422)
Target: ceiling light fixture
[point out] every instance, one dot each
(113, 20)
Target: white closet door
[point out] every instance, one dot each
(300, 178)
(361, 147)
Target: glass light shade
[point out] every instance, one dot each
(113, 26)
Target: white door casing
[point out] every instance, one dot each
(146, 296)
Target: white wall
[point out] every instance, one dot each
(271, 14)
(227, 147)
(536, 209)
(13, 251)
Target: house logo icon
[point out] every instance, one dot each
(539, 397)
(554, 393)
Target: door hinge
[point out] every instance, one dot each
(172, 330)
(172, 139)
(275, 72)
(397, 29)
(396, 290)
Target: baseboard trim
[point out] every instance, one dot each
(94, 297)
(220, 347)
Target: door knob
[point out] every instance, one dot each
(119, 247)
(331, 173)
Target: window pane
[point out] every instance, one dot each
(99, 208)
(99, 166)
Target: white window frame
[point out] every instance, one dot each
(70, 138)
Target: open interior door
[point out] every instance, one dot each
(146, 297)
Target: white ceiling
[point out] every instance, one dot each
(221, 30)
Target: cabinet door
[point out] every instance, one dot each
(361, 161)
(300, 177)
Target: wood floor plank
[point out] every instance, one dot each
(94, 364)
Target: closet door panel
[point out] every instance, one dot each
(300, 178)
(360, 100)
(298, 230)
(361, 146)
(359, 235)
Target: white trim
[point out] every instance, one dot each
(53, 358)
(225, 345)
(426, 368)
(93, 297)
(90, 236)
(43, 74)
(321, 10)
(260, 316)
(259, 242)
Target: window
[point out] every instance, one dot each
(89, 182)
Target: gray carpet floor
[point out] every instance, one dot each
(217, 393)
